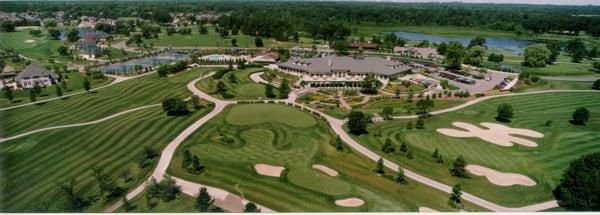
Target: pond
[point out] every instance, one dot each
(503, 44)
(141, 64)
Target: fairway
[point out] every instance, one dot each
(33, 165)
(137, 92)
(230, 164)
(19, 40)
(562, 143)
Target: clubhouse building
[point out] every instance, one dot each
(342, 71)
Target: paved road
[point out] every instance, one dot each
(77, 124)
(224, 199)
(256, 78)
(572, 78)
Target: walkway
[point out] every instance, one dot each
(77, 124)
(118, 79)
(222, 198)
(256, 78)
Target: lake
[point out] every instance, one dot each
(511, 45)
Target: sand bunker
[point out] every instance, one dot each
(496, 133)
(426, 210)
(500, 178)
(269, 170)
(29, 41)
(329, 171)
(350, 202)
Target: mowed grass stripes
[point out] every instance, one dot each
(88, 107)
(31, 166)
(562, 143)
(230, 166)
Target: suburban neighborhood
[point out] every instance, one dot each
(299, 106)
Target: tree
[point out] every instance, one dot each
(455, 55)
(7, 26)
(423, 107)
(555, 49)
(420, 123)
(32, 95)
(436, 154)
(221, 87)
(579, 188)
(8, 93)
(74, 201)
(53, 33)
(35, 32)
(505, 112)
(269, 91)
(387, 113)
(175, 107)
(204, 201)
(202, 29)
(357, 122)
(477, 41)
(258, 42)
(370, 84)
(576, 48)
(86, 85)
(596, 65)
(73, 35)
(338, 143)
(59, 92)
(442, 48)
(496, 58)
(167, 190)
(458, 167)
(232, 78)
(63, 50)
(108, 187)
(63, 83)
(403, 147)
(126, 205)
(400, 178)
(595, 86)
(234, 42)
(341, 47)
(455, 196)
(284, 89)
(474, 55)
(387, 147)
(536, 55)
(251, 208)
(580, 116)
(379, 168)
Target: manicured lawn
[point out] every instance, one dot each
(556, 85)
(563, 142)
(230, 165)
(212, 39)
(74, 84)
(562, 67)
(243, 89)
(33, 165)
(19, 40)
(146, 90)
(279, 114)
(278, 77)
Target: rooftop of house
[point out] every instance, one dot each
(34, 71)
(360, 65)
(417, 50)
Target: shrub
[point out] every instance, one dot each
(579, 188)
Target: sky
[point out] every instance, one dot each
(558, 2)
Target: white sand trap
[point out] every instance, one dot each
(269, 170)
(427, 210)
(500, 178)
(496, 133)
(329, 171)
(350, 202)
(29, 41)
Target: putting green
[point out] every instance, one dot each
(259, 113)
(318, 181)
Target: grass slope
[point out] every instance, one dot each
(230, 165)
(563, 142)
(243, 89)
(85, 107)
(31, 166)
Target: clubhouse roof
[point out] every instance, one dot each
(360, 65)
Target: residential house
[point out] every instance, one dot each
(35, 74)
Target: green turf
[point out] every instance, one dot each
(563, 142)
(74, 83)
(243, 89)
(230, 166)
(277, 114)
(554, 85)
(17, 40)
(32, 165)
(146, 90)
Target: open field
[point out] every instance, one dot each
(562, 143)
(229, 147)
(562, 67)
(146, 90)
(33, 165)
(74, 83)
(244, 88)
(213, 39)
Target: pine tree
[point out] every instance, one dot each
(458, 167)
(204, 200)
(400, 178)
(86, 85)
(440, 159)
(403, 147)
(435, 154)
(284, 89)
(379, 168)
(269, 91)
(32, 95)
(8, 93)
(59, 92)
(251, 208)
(456, 194)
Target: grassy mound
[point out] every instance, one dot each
(317, 181)
(259, 113)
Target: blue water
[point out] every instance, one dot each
(147, 62)
(511, 45)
